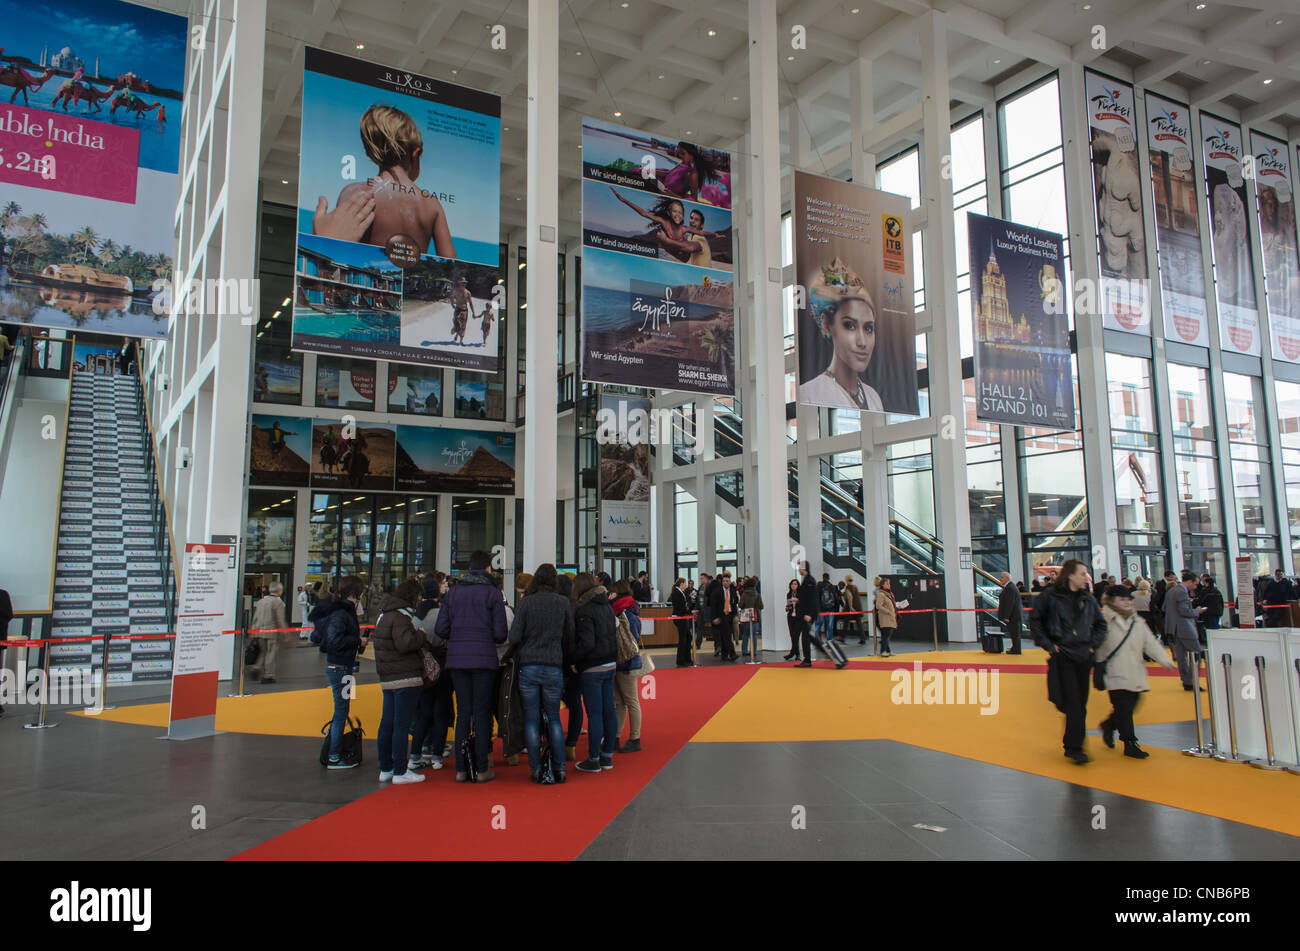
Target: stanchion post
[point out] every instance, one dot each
(239, 654)
(1296, 768)
(1269, 763)
(1209, 693)
(1200, 750)
(934, 627)
(40, 723)
(1231, 756)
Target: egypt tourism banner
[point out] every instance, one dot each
(1117, 197)
(399, 217)
(1234, 282)
(1277, 237)
(471, 461)
(852, 262)
(624, 440)
(89, 152)
(658, 256)
(1178, 221)
(1022, 330)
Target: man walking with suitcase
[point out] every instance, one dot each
(1009, 610)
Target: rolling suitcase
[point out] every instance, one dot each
(833, 650)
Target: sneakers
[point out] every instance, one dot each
(339, 764)
(1078, 756)
(385, 775)
(408, 777)
(588, 766)
(1132, 749)
(414, 764)
(435, 762)
(631, 746)
(606, 762)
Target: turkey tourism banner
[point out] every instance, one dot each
(1117, 197)
(1234, 281)
(89, 152)
(1022, 330)
(399, 217)
(624, 439)
(1178, 221)
(854, 304)
(658, 255)
(466, 461)
(1277, 236)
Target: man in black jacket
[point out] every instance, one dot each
(1210, 598)
(680, 609)
(723, 607)
(806, 612)
(1009, 610)
(1277, 595)
(1068, 624)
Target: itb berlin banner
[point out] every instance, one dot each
(399, 217)
(624, 471)
(657, 261)
(1277, 237)
(1117, 195)
(852, 262)
(1022, 332)
(89, 151)
(1178, 221)
(1234, 282)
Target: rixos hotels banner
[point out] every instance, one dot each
(1277, 238)
(1234, 282)
(89, 151)
(657, 264)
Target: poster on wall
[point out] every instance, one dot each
(1022, 332)
(852, 257)
(352, 456)
(1234, 282)
(1117, 197)
(89, 153)
(624, 470)
(399, 217)
(1178, 221)
(658, 254)
(469, 461)
(280, 451)
(1277, 237)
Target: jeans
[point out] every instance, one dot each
(573, 701)
(627, 701)
(602, 721)
(825, 626)
(746, 632)
(885, 633)
(432, 722)
(335, 674)
(541, 687)
(395, 726)
(474, 700)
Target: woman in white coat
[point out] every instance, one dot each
(1128, 638)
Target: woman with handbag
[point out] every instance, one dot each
(541, 626)
(751, 607)
(886, 614)
(1120, 670)
(399, 662)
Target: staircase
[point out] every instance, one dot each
(112, 574)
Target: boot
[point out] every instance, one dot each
(512, 759)
(571, 753)
(1132, 749)
(1107, 733)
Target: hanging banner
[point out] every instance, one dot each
(466, 461)
(623, 432)
(1022, 330)
(657, 304)
(205, 603)
(89, 152)
(399, 217)
(1234, 283)
(853, 264)
(1277, 237)
(1117, 197)
(1178, 221)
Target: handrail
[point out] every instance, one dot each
(172, 555)
(910, 560)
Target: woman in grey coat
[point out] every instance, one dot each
(541, 626)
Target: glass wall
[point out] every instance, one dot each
(1135, 454)
(1200, 511)
(970, 194)
(686, 536)
(477, 525)
(1288, 428)
(1252, 473)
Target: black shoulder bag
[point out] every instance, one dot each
(1099, 666)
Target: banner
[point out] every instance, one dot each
(1234, 282)
(1117, 197)
(468, 461)
(205, 601)
(1178, 221)
(657, 305)
(624, 439)
(852, 261)
(399, 217)
(1022, 331)
(1277, 237)
(89, 152)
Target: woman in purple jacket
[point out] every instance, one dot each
(472, 618)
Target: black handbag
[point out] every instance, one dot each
(252, 651)
(1099, 666)
(350, 746)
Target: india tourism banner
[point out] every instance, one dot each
(658, 256)
(855, 329)
(89, 152)
(1117, 197)
(1234, 282)
(1178, 221)
(624, 438)
(399, 217)
(1022, 330)
(1277, 236)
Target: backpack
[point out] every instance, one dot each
(350, 746)
(627, 645)
(828, 598)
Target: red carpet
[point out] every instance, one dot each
(443, 819)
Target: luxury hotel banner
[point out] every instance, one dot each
(1022, 331)
(657, 304)
(421, 283)
(852, 258)
(1234, 281)
(1178, 221)
(89, 151)
(624, 472)
(1117, 197)
(1277, 236)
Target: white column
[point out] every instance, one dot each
(948, 448)
(766, 415)
(540, 431)
(443, 517)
